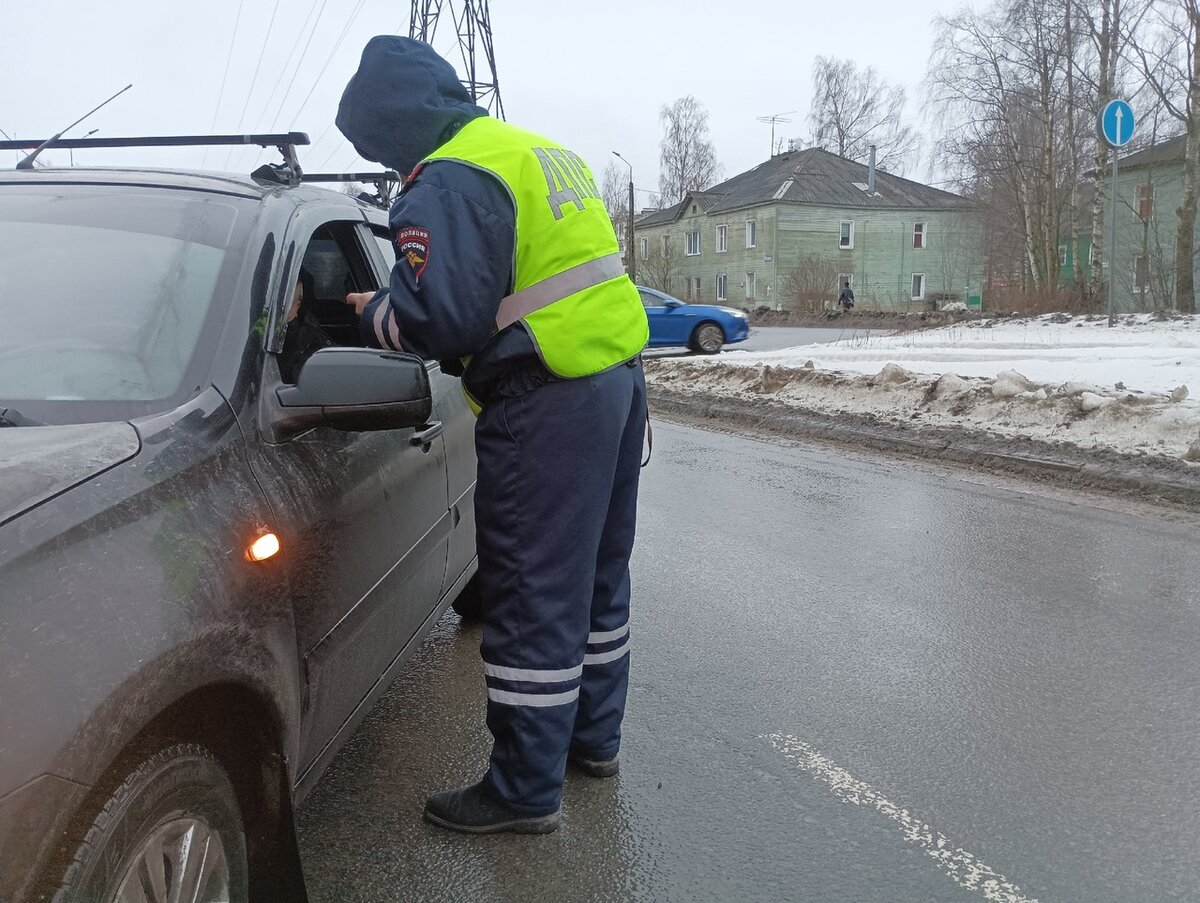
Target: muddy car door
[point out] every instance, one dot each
(450, 409)
(364, 515)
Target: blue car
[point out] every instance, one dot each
(704, 328)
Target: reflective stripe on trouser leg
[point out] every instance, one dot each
(547, 463)
(605, 684)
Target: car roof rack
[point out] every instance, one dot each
(386, 183)
(289, 173)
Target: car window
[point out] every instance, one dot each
(649, 300)
(105, 291)
(315, 314)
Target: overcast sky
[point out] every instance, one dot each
(592, 76)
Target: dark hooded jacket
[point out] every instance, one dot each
(403, 103)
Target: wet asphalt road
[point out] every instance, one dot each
(854, 679)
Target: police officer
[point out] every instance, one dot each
(507, 262)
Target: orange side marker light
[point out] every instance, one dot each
(263, 548)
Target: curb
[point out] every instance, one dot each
(1158, 481)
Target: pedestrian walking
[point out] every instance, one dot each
(846, 298)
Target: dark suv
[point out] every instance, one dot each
(215, 552)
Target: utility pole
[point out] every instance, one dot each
(629, 229)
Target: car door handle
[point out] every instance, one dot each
(427, 433)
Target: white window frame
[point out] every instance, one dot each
(722, 238)
(1062, 256)
(697, 287)
(921, 296)
(843, 278)
(722, 286)
(848, 245)
(751, 286)
(666, 245)
(920, 236)
(692, 245)
(645, 248)
(751, 233)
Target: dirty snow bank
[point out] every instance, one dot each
(1134, 388)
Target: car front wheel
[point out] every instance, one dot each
(172, 830)
(707, 339)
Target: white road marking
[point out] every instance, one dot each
(961, 867)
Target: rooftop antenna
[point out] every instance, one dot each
(27, 163)
(473, 25)
(774, 118)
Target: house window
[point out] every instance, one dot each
(749, 286)
(846, 239)
(666, 246)
(722, 239)
(721, 287)
(1145, 208)
(1141, 274)
(645, 248)
(918, 286)
(1062, 255)
(843, 278)
(751, 233)
(693, 244)
(918, 235)
(696, 287)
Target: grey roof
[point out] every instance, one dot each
(1169, 151)
(812, 177)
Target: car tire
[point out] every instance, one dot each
(707, 338)
(469, 604)
(173, 807)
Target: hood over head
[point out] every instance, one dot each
(403, 103)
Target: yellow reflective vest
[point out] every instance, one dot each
(569, 285)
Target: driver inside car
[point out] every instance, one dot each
(304, 334)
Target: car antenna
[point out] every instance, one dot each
(27, 163)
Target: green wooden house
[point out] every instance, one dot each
(1149, 192)
(788, 233)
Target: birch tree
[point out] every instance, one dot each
(687, 158)
(1170, 61)
(854, 108)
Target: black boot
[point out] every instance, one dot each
(475, 810)
(596, 768)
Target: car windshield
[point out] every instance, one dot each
(105, 292)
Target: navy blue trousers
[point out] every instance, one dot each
(555, 509)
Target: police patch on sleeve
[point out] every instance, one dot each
(412, 244)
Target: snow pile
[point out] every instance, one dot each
(1134, 388)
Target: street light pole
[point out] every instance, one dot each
(629, 228)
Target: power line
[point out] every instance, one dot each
(338, 43)
(303, 54)
(342, 142)
(220, 94)
(275, 87)
(254, 80)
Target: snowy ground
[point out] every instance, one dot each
(1133, 388)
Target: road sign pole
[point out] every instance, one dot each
(1112, 240)
(1116, 132)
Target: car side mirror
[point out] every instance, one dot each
(671, 304)
(354, 389)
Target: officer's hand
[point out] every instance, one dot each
(359, 300)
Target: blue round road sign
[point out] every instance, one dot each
(1116, 123)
